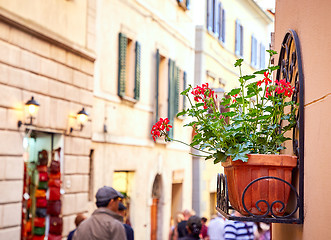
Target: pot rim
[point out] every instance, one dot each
(274, 160)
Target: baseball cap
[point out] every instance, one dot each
(106, 193)
(194, 223)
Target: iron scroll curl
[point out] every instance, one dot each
(270, 206)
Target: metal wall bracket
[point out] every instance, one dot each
(290, 69)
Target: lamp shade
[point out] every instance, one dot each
(32, 106)
(82, 116)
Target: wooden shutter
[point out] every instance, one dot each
(210, 15)
(241, 40)
(123, 42)
(176, 90)
(188, 5)
(171, 94)
(215, 18)
(137, 72)
(222, 33)
(219, 20)
(157, 79)
(262, 56)
(184, 87)
(236, 38)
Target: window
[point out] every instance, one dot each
(129, 68)
(253, 52)
(262, 56)
(221, 23)
(239, 39)
(169, 82)
(216, 19)
(161, 91)
(185, 4)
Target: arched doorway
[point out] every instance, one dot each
(156, 195)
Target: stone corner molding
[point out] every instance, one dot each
(44, 34)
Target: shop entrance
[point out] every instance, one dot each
(41, 203)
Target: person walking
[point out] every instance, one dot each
(181, 227)
(104, 223)
(237, 230)
(216, 228)
(193, 226)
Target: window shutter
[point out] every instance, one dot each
(176, 90)
(262, 56)
(137, 72)
(219, 21)
(215, 10)
(217, 18)
(241, 40)
(252, 50)
(188, 5)
(123, 42)
(171, 103)
(223, 26)
(157, 84)
(210, 15)
(236, 38)
(184, 87)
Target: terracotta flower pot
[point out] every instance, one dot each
(239, 174)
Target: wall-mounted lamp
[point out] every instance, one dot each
(81, 119)
(32, 107)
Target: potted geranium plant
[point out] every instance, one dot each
(247, 138)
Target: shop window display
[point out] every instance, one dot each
(41, 208)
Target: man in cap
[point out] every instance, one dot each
(104, 223)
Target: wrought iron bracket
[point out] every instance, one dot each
(290, 69)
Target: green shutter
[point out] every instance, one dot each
(184, 87)
(171, 94)
(122, 46)
(157, 85)
(176, 90)
(137, 72)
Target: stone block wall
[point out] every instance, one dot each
(60, 76)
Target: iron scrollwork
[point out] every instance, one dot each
(290, 68)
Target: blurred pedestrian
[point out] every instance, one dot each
(263, 231)
(128, 229)
(182, 230)
(193, 226)
(173, 234)
(238, 230)
(204, 229)
(104, 223)
(216, 228)
(79, 218)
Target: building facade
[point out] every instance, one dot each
(145, 57)
(225, 31)
(309, 20)
(46, 56)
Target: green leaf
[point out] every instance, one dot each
(234, 91)
(247, 77)
(261, 71)
(185, 91)
(238, 62)
(181, 113)
(272, 68)
(271, 52)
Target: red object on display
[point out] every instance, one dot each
(41, 202)
(55, 225)
(54, 208)
(54, 193)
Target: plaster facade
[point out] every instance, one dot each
(122, 125)
(309, 20)
(214, 63)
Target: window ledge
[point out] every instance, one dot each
(129, 100)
